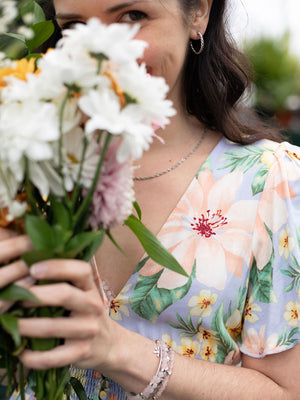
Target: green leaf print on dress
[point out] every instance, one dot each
(225, 342)
(243, 158)
(286, 337)
(187, 328)
(149, 301)
(262, 279)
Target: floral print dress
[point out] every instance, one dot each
(236, 231)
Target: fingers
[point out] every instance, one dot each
(68, 328)
(75, 271)
(25, 283)
(14, 247)
(7, 233)
(13, 272)
(67, 296)
(60, 356)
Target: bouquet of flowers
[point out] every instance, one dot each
(71, 124)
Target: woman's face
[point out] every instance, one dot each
(162, 26)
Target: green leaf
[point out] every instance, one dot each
(225, 342)
(37, 344)
(262, 279)
(153, 247)
(42, 32)
(34, 256)
(16, 293)
(13, 46)
(78, 389)
(262, 282)
(40, 232)
(60, 215)
(10, 324)
(138, 210)
(93, 247)
(259, 180)
(81, 241)
(149, 301)
(35, 9)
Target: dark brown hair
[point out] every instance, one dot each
(215, 81)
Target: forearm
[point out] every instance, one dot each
(192, 379)
(196, 379)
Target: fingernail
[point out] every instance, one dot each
(29, 280)
(38, 270)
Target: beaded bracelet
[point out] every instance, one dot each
(161, 378)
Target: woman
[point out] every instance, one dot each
(228, 213)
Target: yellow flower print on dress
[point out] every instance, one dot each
(292, 315)
(118, 306)
(234, 324)
(286, 243)
(188, 347)
(206, 335)
(202, 304)
(250, 308)
(209, 349)
(168, 340)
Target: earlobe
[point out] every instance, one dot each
(200, 18)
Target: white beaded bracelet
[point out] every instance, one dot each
(160, 380)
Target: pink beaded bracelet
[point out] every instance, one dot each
(160, 380)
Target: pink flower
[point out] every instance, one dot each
(210, 226)
(114, 194)
(256, 343)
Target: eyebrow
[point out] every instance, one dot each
(67, 16)
(119, 7)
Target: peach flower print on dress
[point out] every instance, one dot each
(256, 343)
(272, 210)
(209, 226)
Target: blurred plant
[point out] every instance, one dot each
(23, 28)
(277, 72)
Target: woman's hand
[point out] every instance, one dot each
(88, 331)
(12, 246)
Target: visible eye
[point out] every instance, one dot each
(133, 16)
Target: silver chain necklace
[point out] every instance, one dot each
(144, 178)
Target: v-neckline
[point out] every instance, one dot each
(104, 285)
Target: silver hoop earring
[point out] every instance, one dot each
(197, 52)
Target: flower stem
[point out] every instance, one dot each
(61, 120)
(78, 185)
(22, 382)
(81, 214)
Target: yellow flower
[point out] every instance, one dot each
(209, 349)
(268, 158)
(286, 243)
(168, 340)
(234, 324)
(206, 335)
(19, 70)
(250, 307)
(202, 304)
(102, 395)
(188, 347)
(292, 155)
(119, 305)
(292, 315)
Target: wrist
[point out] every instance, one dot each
(131, 361)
